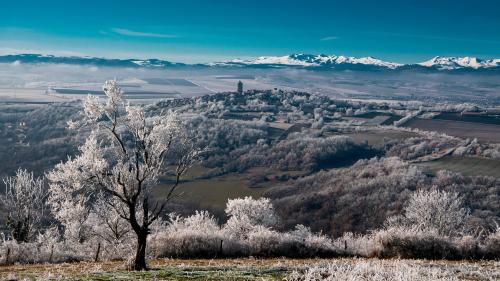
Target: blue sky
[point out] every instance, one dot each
(204, 31)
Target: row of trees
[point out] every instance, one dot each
(433, 224)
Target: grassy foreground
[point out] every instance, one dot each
(228, 269)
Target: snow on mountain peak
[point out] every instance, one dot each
(459, 62)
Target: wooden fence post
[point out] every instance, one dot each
(7, 256)
(220, 248)
(51, 253)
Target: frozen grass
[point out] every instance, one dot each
(262, 269)
(396, 270)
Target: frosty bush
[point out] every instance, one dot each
(356, 245)
(245, 214)
(24, 200)
(414, 243)
(428, 229)
(249, 231)
(434, 210)
(374, 271)
(491, 245)
(198, 235)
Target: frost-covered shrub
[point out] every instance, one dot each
(265, 242)
(300, 242)
(24, 201)
(491, 245)
(414, 244)
(48, 247)
(432, 226)
(249, 231)
(316, 242)
(480, 194)
(41, 252)
(373, 270)
(246, 214)
(198, 235)
(186, 244)
(434, 210)
(356, 245)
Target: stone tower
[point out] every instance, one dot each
(240, 87)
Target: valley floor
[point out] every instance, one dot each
(253, 269)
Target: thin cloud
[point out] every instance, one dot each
(329, 38)
(128, 32)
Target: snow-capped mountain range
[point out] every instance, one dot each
(295, 60)
(440, 63)
(313, 61)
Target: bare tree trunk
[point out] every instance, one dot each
(140, 256)
(97, 252)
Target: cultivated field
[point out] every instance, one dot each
(482, 118)
(376, 138)
(468, 166)
(483, 132)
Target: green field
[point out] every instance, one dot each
(213, 192)
(468, 166)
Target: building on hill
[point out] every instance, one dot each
(240, 87)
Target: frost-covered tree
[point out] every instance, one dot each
(119, 164)
(440, 211)
(24, 201)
